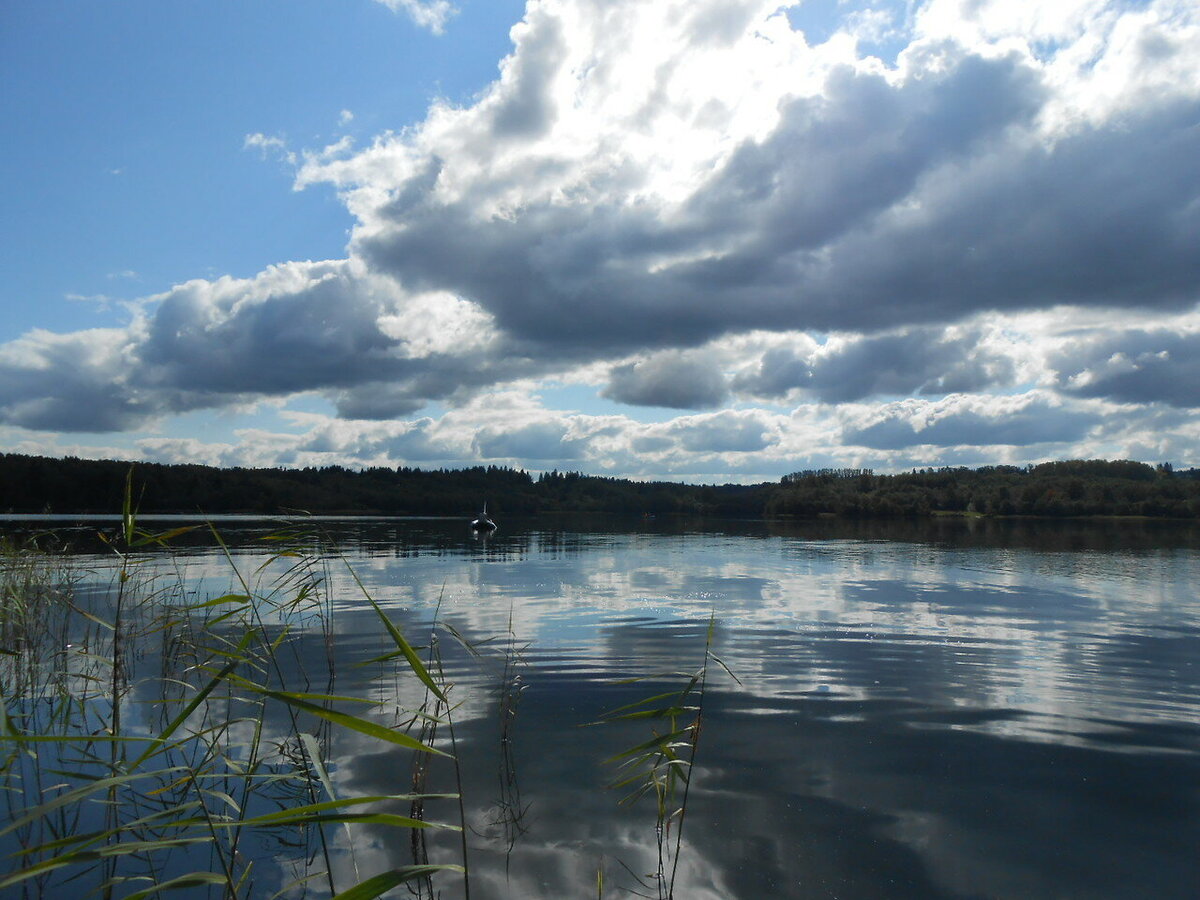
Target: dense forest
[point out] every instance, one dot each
(1054, 489)
(34, 484)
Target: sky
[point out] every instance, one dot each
(707, 241)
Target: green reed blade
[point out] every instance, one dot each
(720, 662)
(85, 856)
(666, 712)
(293, 817)
(653, 676)
(385, 881)
(311, 811)
(645, 701)
(82, 793)
(314, 757)
(297, 695)
(652, 744)
(92, 837)
(70, 739)
(190, 880)
(290, 887)
(221, 601)
(162, 537)
(158, 740)
(354, 723)
(471, 648)
(414, 661)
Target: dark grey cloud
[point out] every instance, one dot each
(1036, 423)
(71, 405)
(317, 331)
(674, 380)
(439, 376)
(417, 444)
(651, 443)
(1108, 218)
(726, 432)
(1136, 366)
(378, 400)
(70, 383)
(835, 162)
(206, 344)
(295, 328)
(537, 441)
(916, 361)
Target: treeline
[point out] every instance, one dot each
(34, 484)
(1053, 489)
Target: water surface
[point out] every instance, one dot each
(950, 709)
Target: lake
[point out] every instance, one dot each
(954, 708)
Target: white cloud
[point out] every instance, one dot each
(431, 14)
(270, 147)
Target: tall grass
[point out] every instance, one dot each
(134, 788)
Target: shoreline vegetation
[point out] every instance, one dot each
(132, 780)
(1064, 489)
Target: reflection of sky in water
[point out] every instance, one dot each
(916, 718)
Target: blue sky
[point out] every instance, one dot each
(125, 162)
(709, 240)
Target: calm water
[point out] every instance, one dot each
(961, 709)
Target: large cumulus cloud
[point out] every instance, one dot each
(326, 327)
(867, 200)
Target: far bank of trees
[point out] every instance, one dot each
(1053, 489)
(33, 484)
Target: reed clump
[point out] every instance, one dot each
(133, 783)
(662, 766)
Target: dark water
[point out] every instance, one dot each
(951, 709)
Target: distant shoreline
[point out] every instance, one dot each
(1070, 489)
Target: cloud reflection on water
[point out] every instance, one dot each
(934, 716)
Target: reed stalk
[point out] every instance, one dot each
(129, 807)
(658, 766)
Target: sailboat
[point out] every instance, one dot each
(482, 524)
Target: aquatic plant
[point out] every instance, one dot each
(139, 787)
(657, 767)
